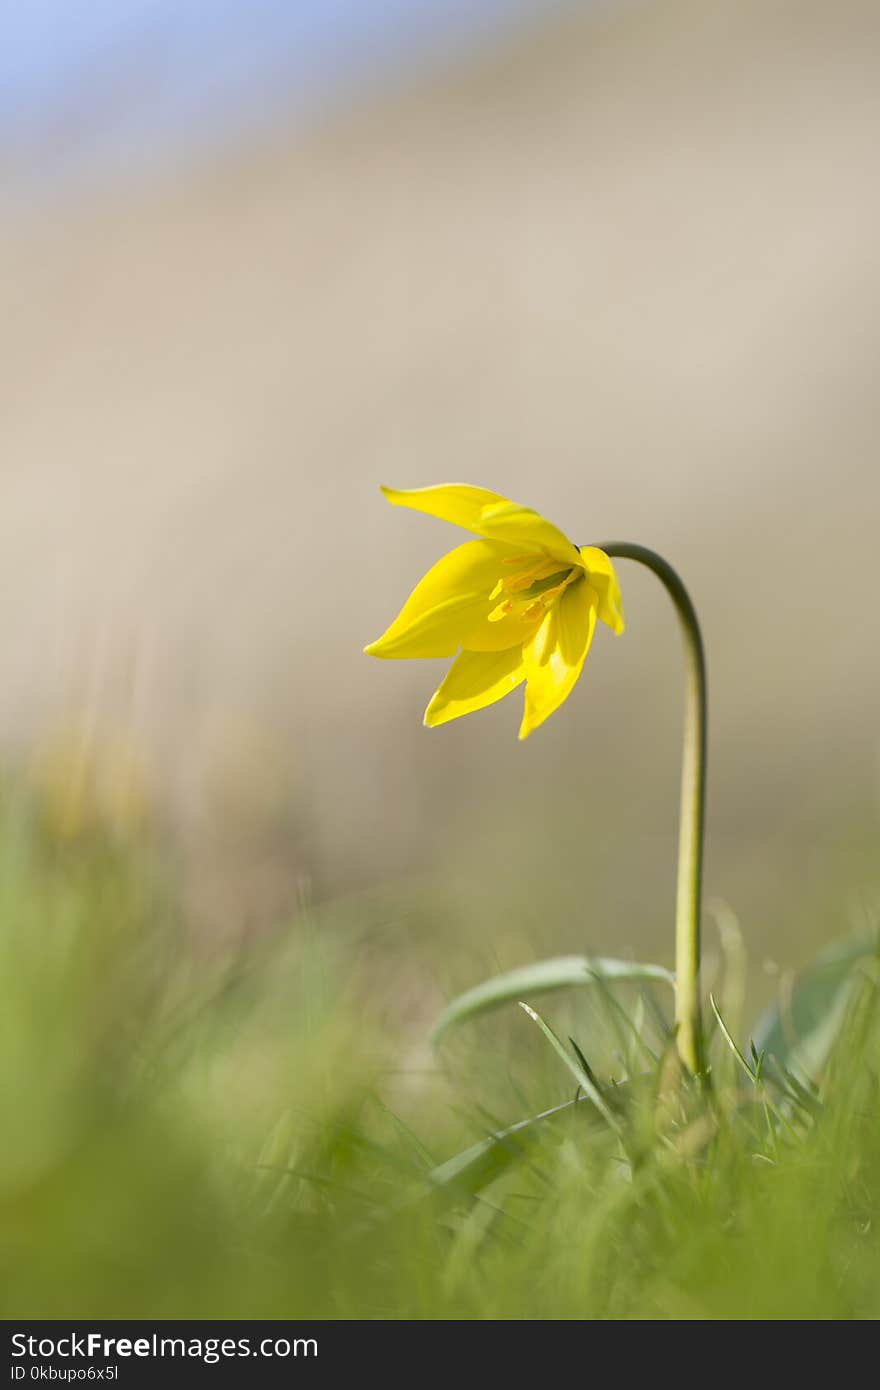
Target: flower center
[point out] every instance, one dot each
(532, 590)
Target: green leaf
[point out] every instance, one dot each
(800, 1031)
(562, 972)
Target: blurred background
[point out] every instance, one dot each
(617, 261)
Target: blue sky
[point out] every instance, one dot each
(84, 81)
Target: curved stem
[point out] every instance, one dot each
(693, 805)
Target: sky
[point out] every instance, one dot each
(86, 83)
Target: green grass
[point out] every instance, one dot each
(192, 1130)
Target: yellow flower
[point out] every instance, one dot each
(518, 605)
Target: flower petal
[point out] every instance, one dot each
(553, 661)
(512, 631)
(450, 601)
(474, 680)
(457, 503)
(600, 573)
(488, 514)
(525, 528)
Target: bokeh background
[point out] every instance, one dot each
(617, 261)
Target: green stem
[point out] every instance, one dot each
(693, 806)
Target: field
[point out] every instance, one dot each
(259, 1131)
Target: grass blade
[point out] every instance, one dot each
(477, 1166)
(583, 1078)
(730, 1042)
